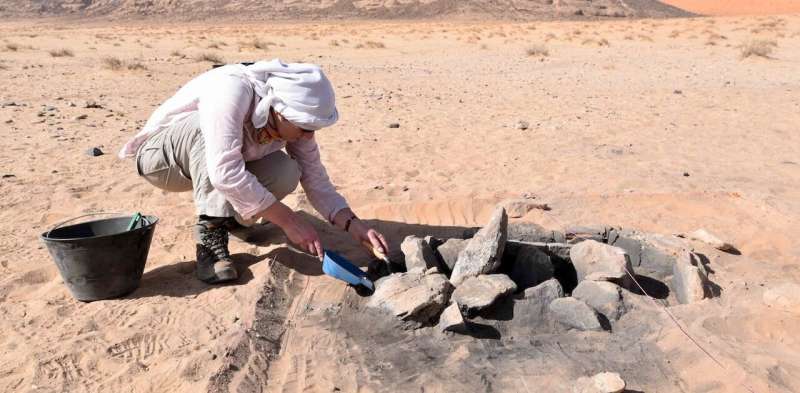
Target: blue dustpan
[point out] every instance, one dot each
(339, 267)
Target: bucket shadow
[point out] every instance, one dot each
(178, 279)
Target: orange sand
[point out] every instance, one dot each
(737, 7)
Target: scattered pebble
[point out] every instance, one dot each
(522, 125)
(678, 91)
(9, 175)
(394, 125)
(685, 174)
(94, 152)
(81, 117)
(92, 105)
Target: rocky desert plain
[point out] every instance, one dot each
(588, 121)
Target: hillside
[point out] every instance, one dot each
(337, 9)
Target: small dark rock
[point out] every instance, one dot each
(94, 152)
(91, 104)
(394, 125)
(678, 92)
(8, 176)
(522, 125)
(81, 117)
(685, 174)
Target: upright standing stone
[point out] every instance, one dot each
(418, 253)
(484, 251)
(600, 262)
(689, 279)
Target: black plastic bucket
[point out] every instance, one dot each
(101, 259)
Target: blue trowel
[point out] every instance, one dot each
(339, 267)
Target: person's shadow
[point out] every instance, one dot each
(178, 280)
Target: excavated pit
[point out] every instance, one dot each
(503, 348)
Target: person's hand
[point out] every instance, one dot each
(298, 230)
(369, 238)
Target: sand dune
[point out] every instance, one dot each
(738, 7)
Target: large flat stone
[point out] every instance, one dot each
(711, 239)
(412, 296)
(690, 279)
(478, 293)
(418, 253)
(484, 251)
(600, 262)
(575, 314)
(604, 297)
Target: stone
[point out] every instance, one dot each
(412, 296)
(483, 253)
(94, 152)
(516, 208)
(650, 254)
(600, 262)
(522, 125)
(451, 320)
(418, 253)
(478, 293)
(604, 297)
(394, 125)
(81, 117)
(712, 240)
(531, 267)
(583, 232)
(91, 104)
(532, 305)
(785, 295)
(575, 314)
(529, 232)
(689, 279)
(449, 250)
(608, 382)
(605, 382)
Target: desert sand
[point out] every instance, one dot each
(657, 125)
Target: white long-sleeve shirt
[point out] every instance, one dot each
(224, 107)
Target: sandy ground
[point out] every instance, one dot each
(653, 125)
(737, 7)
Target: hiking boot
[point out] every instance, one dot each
(214, 263)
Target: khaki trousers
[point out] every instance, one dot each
(174, 160)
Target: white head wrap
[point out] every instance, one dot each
(298, 91)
